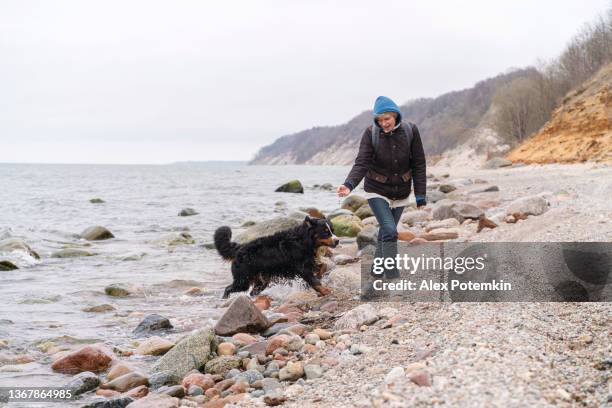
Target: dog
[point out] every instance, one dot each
(284, 255)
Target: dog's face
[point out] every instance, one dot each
(321, 231)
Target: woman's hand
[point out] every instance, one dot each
(343, 190)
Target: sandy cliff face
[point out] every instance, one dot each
(579, 130)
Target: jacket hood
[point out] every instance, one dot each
(384, 104)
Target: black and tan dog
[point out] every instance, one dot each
(281, 256)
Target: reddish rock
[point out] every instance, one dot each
(329, 361)
(226, 349)
(107, 393)
(138, 392)
(298, 329)
(212, 392)
(225, 384)
(275, 342)
(263, 302)
(256, 348)
(204, 381)
(309, 348)
(118, 369)
(288, 308)
(239, 387)
(421, 378)
(126, 382)
(241, 316)
(244, 338)
(88, 358)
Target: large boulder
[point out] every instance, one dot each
(14, 244)
(242, 316)
(293, 186)
(434, 196)
(338, 212)
(364, 211)
(191, 353)
(96, 233)
(347, 225)
(459, 210)
(414, 217)
(268, 227)
(353, 202)
(530, 205)
(89, 358)
(355, 318)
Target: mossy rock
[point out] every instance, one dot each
(347, 225)
(353, 202)
(7, 266)
(116, 290)
(364, 211)
(293, 186)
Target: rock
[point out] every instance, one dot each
(14, 244)
(530, 205)
(346, 225)
(107, 393)
(243, 339)
(364, 211)
(367, 236)
(154, 346)
(152, 323)
(313, 371)
(488, 189)
(88, 358)
(241, 316)
(83, 382)
(354, 318)
(322, 333)
(116, 290)
(118, 402)
(330, 306)
(70, 253)
(292, 371)
(313, 212)
(484, 222)
(204, 381)
(96, 233)
(338, 212)
(186, 212)
(117, 370)
(412, 218)
(447, 188)
(155, 401)
(138, 392)
(420, 377)
(126, 382)
(257, 348)
(7, 266)
(447, 223)
(396, 373)
(226, 349)
(97, 201)
(267, 227)
(195, 291)
(496, 163)
(440, 234)
(194, 390)
(279, 341)
(99, 308)
(312, 338)
(274, 398)
(353, 202)
(434, 196)
(221, 365)
(459, 210)
(173, 391)
(293, 186)
(263, 302)
(191, 353)
(157, 380)
(250, 376)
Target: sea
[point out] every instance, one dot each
(47, 206)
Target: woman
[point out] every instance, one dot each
(390, 157)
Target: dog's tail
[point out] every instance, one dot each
(226, 248)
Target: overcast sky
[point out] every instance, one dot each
(158, 82)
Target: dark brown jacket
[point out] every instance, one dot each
(398, 162)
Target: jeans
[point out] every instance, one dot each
(388, 219)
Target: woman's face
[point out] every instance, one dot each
(386, 121)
